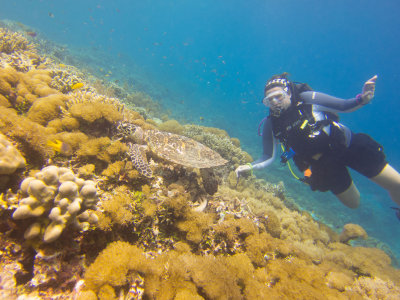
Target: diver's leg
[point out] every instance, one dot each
(350, 197)
(389, 179)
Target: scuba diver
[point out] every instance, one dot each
(306, 123)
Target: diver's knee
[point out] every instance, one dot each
(350, 197)
(388, 178)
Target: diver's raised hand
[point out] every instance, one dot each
(368, 90)
(242, 168)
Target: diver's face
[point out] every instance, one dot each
(277, 99)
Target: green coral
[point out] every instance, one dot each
(121, 207)
(219, 143)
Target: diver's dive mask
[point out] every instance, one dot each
(277, 96)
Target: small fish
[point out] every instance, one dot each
(77, 85)
(62, 66)
(60, 147)
(397, 212)
(31, 33)
(51, 15)
(201, 119)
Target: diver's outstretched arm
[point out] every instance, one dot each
(324, 102)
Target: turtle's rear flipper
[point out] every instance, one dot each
(137, 154)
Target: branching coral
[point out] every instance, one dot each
(375, 288)
(63, 78)
(16, 51)
(56, 195)
(13, 42)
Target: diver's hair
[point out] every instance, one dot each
(281, 80)
(284, 75)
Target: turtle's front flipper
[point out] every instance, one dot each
(137, 154)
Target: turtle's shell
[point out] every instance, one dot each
(182, 150)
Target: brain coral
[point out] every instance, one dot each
(55, 198)
(10, 158)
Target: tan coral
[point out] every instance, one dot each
(57, 194)
(351, 232)
(10, 158)
(17, 52)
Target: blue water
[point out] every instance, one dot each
(211, 59)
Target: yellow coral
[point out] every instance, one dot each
(46, 109)
(91, 112)
(32, 137)
(113, 264)
(195, 224)
(172, 126)
(93, 147)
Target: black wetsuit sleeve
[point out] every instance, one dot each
(330, 103)
(269, 146)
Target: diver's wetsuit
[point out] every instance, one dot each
(328, 161)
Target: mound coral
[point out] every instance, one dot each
(10, 158)
(172, 126)
(31, 137)
(56, 195)
(47, 108)
(219, 141)
(351, 232)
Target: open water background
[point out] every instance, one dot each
(210, 59)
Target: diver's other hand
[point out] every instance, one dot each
(242, 168)
(368, 90)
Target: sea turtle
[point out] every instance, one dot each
(172, 147)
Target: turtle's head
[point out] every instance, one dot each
(138, 135)
(130, 131)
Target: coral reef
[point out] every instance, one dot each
(184, 233)
(56, 195)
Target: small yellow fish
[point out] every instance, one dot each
(62, 65)
(202, 119)
(60, 147)
(77, 85)
(109, 72)
(107, 75)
